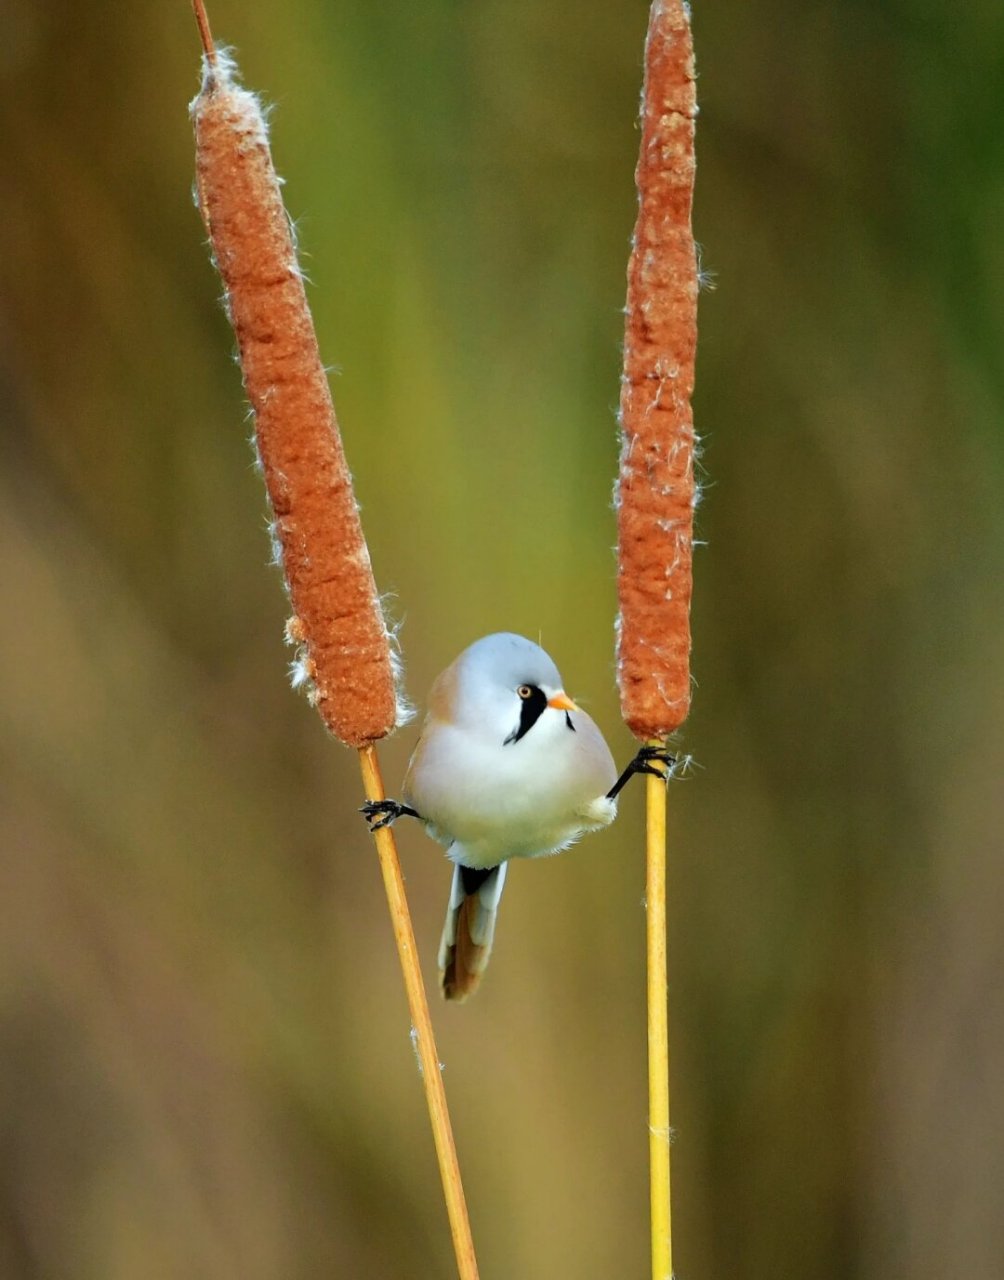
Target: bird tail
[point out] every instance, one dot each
(470, 927)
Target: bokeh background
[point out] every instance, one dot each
(205, 1068)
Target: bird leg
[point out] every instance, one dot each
(644, 763)
(384, 813)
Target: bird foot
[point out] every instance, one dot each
(384, 813)
(646, 761)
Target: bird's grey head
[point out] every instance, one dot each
(505, 683)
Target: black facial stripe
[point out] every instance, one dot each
(568, 721)
(530, 711)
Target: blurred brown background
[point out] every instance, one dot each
(204, 1059)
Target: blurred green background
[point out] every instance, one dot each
(205, 1068)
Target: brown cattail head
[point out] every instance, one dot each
(655, 492)
(346, 653)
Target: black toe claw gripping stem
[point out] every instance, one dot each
(384, 813)
(644, 762)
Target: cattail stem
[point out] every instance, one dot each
(659, 1136)
(425, 1043)
(205, 33)
(345, 651)
(655, 502)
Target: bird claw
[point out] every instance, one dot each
(643, 762)
(384, 813)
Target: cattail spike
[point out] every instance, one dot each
(655, 495)
(340, 625)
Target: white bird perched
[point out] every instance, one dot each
(507, 766)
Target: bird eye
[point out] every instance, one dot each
(525, 691)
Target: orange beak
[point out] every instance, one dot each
(562, 702)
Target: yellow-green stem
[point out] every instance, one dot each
(658, 1029)
(425, 1043)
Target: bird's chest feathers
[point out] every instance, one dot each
(513, 799)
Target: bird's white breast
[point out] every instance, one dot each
(491, 801)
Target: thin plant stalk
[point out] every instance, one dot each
(659, 1135)
(344, 657)
(422, 1034)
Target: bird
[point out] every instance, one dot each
(507, 766)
